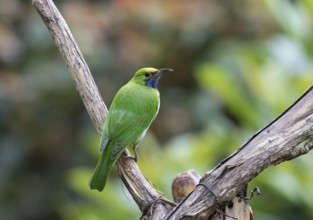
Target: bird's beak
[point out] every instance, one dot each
(158, 74)
(164, 70)
(161, 71)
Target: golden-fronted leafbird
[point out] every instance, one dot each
(132, 111)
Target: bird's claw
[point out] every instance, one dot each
(132, 158)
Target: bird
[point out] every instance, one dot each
(133, 109)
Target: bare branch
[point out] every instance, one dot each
(141, 190)
(287, 137)
(74, 60)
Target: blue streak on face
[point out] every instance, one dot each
(152, 82)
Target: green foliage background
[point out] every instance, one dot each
(238, 65)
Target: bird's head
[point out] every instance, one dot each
(149, 76)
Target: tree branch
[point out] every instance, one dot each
(141, 190)
(287, 137)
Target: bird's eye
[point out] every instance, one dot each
(147, 74)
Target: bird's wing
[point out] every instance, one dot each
(130, 114)
(128, 129)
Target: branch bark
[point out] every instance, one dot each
(141, 190)
(287, 137)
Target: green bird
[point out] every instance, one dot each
(132, 111)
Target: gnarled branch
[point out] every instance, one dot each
(141, 190)
(287, 137)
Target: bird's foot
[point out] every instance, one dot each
(132, 158)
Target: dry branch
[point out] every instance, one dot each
(141, 190)
(286, 138)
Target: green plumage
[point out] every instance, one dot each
(132, 111)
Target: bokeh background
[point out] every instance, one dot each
(238, 65)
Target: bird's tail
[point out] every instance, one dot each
(103, 169)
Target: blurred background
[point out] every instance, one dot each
(238, 65)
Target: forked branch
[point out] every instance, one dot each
(287, 137)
